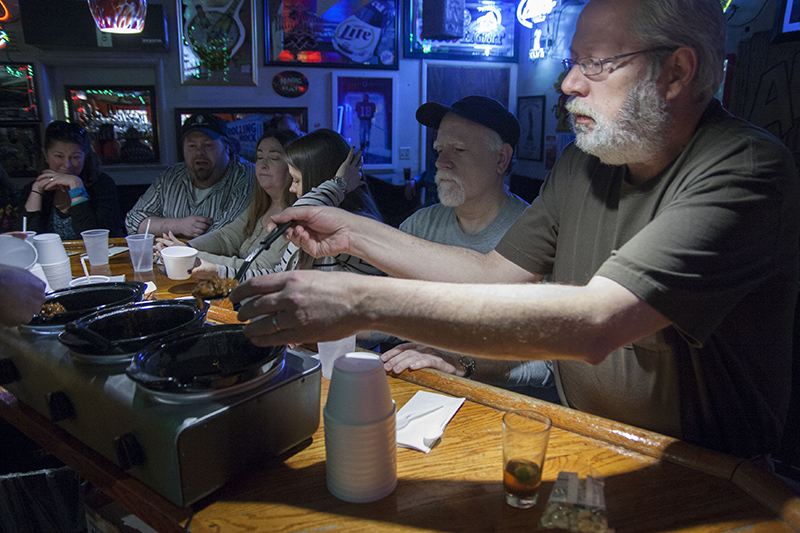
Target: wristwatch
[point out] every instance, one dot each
(469, 365)
(340, 182)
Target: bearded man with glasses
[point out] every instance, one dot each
(669, 229)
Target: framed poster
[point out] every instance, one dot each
(788, 24)
(364, 110)
(245, 125)
(21, 150)
(530, 112)
(488, 31)
(17, 93)
(121, 121)
(217, 42)
(332, 33)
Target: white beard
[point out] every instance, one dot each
(636, 135)
(451, 194)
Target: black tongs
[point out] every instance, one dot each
(265, 244)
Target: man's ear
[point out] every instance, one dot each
(679, 71)
(506, 152)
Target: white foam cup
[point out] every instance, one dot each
(330, 351)
(359, 390)
(58, 274)
(88, 280)
(30, 235)
(361, 460)
(178, 261)
(37, 271)
(50, 248)
(96, 243)
(140, 247)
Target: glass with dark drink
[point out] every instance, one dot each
(525, 436)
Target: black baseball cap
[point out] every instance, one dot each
(207, 123)
(479, 109)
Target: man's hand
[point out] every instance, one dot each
(413, 356)
(299, 306)
(192, 226)
(25, 290)
(320, 231)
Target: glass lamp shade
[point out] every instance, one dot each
(119, 16)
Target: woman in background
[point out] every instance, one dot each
(325, 171)
(72, 195)
(226, 248)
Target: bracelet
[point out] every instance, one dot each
(77, 192)
(37, 192)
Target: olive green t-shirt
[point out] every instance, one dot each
(712, 244)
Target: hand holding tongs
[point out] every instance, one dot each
(265, 244)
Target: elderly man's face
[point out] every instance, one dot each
(467, 164)
(618, 115)
(205, 158)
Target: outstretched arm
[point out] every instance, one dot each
(519, 321)
(325, 232)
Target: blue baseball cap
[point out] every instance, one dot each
(207, 123)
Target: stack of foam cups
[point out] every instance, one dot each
(53, 259)
(360, 442)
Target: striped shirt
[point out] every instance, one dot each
(172, 195)
(329, 194)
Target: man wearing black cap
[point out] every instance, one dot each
(205, 192)
(475, 143)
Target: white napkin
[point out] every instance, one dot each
(121, 277)
(114, 250)
(424, 432)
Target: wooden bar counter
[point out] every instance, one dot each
(653, 483)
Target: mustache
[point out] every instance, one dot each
(575, 107)
(446, 175)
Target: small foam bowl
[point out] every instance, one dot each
(178, 261)
(89, 280)
(359, 390)
(17, 252)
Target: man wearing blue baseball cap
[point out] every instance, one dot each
(475, 142)
(205, 192)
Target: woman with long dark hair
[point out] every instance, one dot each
(72, 194)
(319, 163)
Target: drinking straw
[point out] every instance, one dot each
(83, 264)
(147, 228)
(24, 224)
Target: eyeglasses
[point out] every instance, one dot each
(592, 66)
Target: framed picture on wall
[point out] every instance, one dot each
(217, 42)
(530, 112)
(487, 32)
(788, 24)
(364, 110)
(121, 121)
(334, 33)
(245, 124)
(21, 149)
(17, 93)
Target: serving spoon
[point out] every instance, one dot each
(265, 244)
